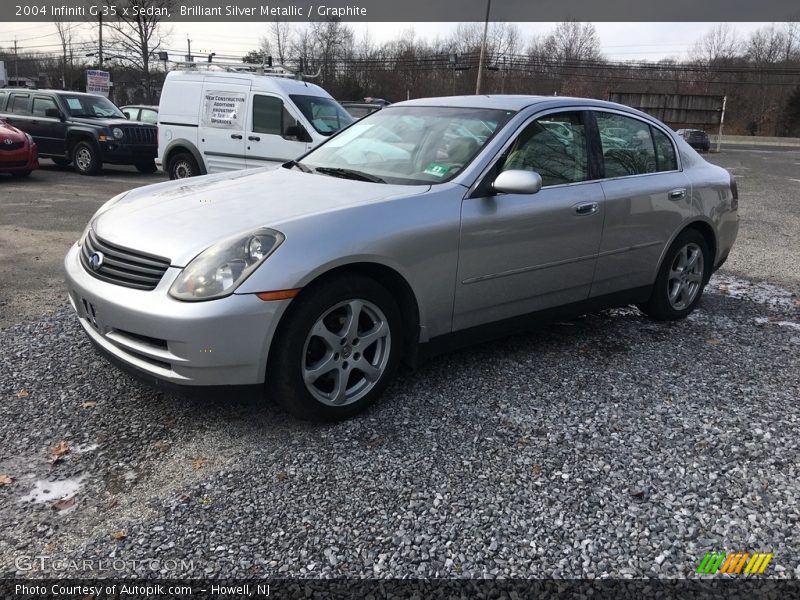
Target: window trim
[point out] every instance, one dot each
(652, 124)
(13, 96)
(46, 98)
(591, 165)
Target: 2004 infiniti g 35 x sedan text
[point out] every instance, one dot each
(428, 218)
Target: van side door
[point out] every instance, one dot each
(274, 132)
(223, 107)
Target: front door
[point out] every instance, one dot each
(268, 135)
(520, 253)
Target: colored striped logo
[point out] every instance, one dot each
(735, 563)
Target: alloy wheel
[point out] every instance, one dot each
(685, 276)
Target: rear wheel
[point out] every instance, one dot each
(337, 351)
(146, 166)
(681, 278)
(86, 158)
(182, 165)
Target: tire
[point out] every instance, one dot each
(61, 162)
(182, 165)
(314, 348)
(86, 158)
(146, 167)
(681, 278)
(20, 174)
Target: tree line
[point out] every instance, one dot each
(759, 74)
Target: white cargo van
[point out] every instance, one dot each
(213, 121)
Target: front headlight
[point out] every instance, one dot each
(219, 270)
(117, 133)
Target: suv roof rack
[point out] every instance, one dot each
(237, 67)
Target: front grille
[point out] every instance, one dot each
(121, 266)
(12, 146)
(140, 134)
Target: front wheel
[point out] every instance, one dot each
(337, 350)
(681, 278)
(182, 165)
(86, 158)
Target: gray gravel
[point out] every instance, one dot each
(609, 445)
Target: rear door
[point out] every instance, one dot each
(268, 140)
(646, 197)
(18, 110)
(223, 116)
(48, 132)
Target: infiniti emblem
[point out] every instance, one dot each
(96, 261)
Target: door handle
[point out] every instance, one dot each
(236, 136)
(677, 194)
(253, 138)
(588, 208)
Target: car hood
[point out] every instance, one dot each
(8, 132)
(179, 219)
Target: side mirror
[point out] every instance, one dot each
(297, 131)
(53, 113)
(517, 181)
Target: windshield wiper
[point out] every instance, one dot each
(349, 174)
(296, 163)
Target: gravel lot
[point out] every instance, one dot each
(609, 445)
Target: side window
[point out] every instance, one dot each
(554, 146)
(41, 105)
(665, 151)
(19, 104)
(131, 113)
(267, 115)
(2, 100)
(627, 144)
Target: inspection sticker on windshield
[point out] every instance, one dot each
(437, 170)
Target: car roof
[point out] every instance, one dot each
(264, 83)
(515, 102)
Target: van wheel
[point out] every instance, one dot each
(681, 278)
(146, 166)
(182, 165)
(337, 351)
(86, 158)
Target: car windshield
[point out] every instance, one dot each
(408, 145)
(92, 107)
(325, 115)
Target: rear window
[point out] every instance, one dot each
(19, 103)
(2, 100)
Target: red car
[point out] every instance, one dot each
(18, 153)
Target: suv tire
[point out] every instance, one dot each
(86, 158)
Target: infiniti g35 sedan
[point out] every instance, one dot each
(428, 221)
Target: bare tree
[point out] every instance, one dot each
(64, 31)
(791, 40)
(281, 34)
(720, 44)
(139, 34)
(766, 46)
(573, 41)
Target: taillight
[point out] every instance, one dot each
(734, 193)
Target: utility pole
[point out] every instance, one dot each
(16, 67)
(189, 49)
(100, 48)
(483, 48)
(721, 121)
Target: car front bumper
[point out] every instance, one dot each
(213, 343)
(24, 159)
(127, 154)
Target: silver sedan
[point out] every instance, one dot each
(428, 222)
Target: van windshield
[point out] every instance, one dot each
(324, 114)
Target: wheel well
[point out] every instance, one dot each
(178, 149)
(397, 286)
(708, 234)
(74, 138)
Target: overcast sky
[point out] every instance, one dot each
(620, 41)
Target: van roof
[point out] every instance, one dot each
(264, 83)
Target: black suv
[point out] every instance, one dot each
(84, 129)
(697, 138)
